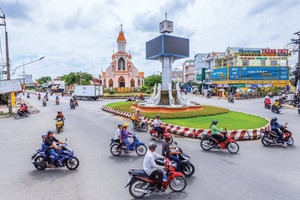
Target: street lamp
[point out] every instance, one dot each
(27, 64)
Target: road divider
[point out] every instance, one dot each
(245, 134)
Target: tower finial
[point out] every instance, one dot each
(121, 27)
(166, 14)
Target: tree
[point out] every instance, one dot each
(78, 78)
(44, 79)
(150, 81)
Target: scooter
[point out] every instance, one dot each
(59, 125)
(136, 145)
(72, 105)
(66, 158)
(159, 137)
(270, 137)
(140, 184)
(187, 168)
(299, 109)
(44, 103)
(268, 106)
(20, 114)
(208, 142)
(230, 100)
(275, 109)
(57, 101)
(142, 126)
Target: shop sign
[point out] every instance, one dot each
(249, 51)
(254, 86)
(219, 74)
(237, 85)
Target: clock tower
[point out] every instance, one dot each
(166, 26)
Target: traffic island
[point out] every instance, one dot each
(240, 126)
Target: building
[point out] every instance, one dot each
(200, 66)
(177, 75)
(188, 68)
(241, 67)
(122, 73)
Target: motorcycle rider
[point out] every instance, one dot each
(28, 95)
(166, 152)
(153, 170)
(230, 96)
(158, 125)
(60, 115)
(23, 108)
(267, 100)
(138, 116)
(52, 147)
(118, 136)
(125, 135)
(215, 132)
(39, 96)
(275, 104)
(275, 127)
(56, 98)
(71, 101)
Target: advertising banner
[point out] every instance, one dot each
(219, 74)
(10, 86)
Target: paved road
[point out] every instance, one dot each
(254, 173)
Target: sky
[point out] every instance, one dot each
(77, 35)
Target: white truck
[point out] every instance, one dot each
(89, 92)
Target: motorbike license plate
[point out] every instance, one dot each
(128, 182)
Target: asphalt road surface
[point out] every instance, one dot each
(255, 173)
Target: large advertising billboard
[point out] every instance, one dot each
(167, 45)
(10, 86)
(258, 73)
(219, 74)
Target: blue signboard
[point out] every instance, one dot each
(219, 74)
(258, 73)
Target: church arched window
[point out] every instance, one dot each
(121, 64)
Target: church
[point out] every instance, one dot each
(122, 74)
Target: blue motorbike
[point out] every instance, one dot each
(116, 148)
(66, 158)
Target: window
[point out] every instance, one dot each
(273, 62)
(263, 62)
(245, 62)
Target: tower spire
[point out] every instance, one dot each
(121, 27)
(166, 14)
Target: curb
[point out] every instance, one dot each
(245, 134)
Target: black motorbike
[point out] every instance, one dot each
(275, 109)
(270, 137)
(230, 100)
(187, 168)
(72, 105)
(20, 114)
(44, 103)
(299, 109)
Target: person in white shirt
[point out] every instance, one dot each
(118, 136)
(158, 125)
(153, 170)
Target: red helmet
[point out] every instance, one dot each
(168, 136)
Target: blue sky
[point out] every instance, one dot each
(76, 35)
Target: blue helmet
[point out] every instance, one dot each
(274, 118)
(214, 121)
(49, 131)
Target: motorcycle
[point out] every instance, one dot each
(154, 135)
(28, 96)
(143, 124)
(66, 158)
(136, 145)
(59, 124)
(20, 114)
(57, 101)
(187, 168)
(44, 103)
(299, 109)
(140, 184)
(267, 105)
(76, 102)
(270, 137)
(230, 100)
(72, 105)
(275, 109)
(39, 97)
(208, 142)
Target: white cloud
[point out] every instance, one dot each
(76, 35)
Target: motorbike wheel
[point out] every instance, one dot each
(58, 130)
(188, 170)
(17, 116)
(233, 147)
(42, 161)
(144, 127)
(27, 114)
(141, 150)
(177, 184)
(290, 141)
(113, 150)
(265, 142)
(137, 184)
(171, 140)
(72, 165)
(205, 144)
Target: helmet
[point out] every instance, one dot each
(274, 118)
(157, 116)
(119, 124)
(214, 122)
(168, 136)
(138, 110)
(59, 111)
(152, 145)
(276, 100)
(49, 131)
(125, 125)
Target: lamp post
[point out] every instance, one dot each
(27, 64)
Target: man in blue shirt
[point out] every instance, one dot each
(275, 127)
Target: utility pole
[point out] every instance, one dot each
(7, 58)
(297, 41)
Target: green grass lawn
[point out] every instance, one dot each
(126, 94)
(231, 121)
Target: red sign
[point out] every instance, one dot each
(279, 51)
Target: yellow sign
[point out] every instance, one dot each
(122, 89)
(13, 99)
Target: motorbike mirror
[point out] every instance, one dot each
(66, 139)
(286, 123)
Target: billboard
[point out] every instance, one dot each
(10, 86)
(167, 46)
(219, 74)
(258, 73)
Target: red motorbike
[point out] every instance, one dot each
(159, 137)
(267, 105)
(208, 142)
(140, 185)
(270, 137)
